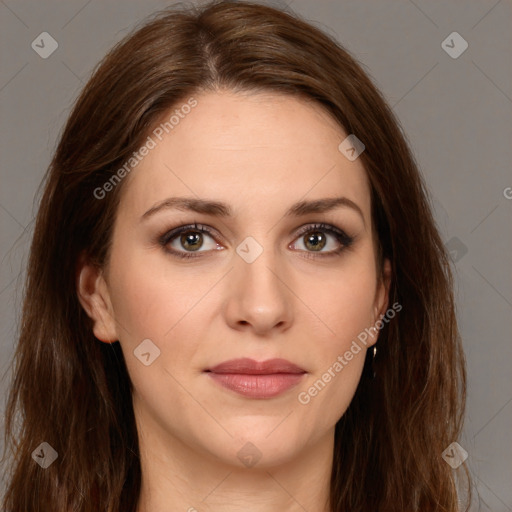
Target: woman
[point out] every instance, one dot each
(237, 298)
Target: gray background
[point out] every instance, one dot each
(455, 113)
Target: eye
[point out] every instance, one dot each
(314, 238)
(190, 238)
(186, 241)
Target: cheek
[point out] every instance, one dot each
(157, 300)
(345, 306)
(344, 301)
(152, 306)
(151, 295)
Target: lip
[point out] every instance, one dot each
(253, 379)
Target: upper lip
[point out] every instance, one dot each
(251, 367)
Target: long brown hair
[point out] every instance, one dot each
(73, 392)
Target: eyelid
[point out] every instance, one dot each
(320, 226)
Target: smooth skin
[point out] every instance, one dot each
(259, 153)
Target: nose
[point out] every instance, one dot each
(259, 298)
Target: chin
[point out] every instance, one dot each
(257, 443)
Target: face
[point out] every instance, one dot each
(264, 276)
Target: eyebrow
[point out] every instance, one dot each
(220, 209)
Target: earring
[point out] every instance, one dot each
(373, 360)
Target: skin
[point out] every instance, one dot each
(259, 153)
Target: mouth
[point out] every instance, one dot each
(258, 380)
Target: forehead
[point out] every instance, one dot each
(255, 151)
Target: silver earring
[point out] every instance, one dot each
(373, 360)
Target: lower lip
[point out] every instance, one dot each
(257, 386)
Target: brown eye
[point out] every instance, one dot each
(316, 238)
(315, 241)
(185, 241)
(191, 240)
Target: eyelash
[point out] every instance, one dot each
(344, 239)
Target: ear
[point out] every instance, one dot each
(382, 293)
(93, 294)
